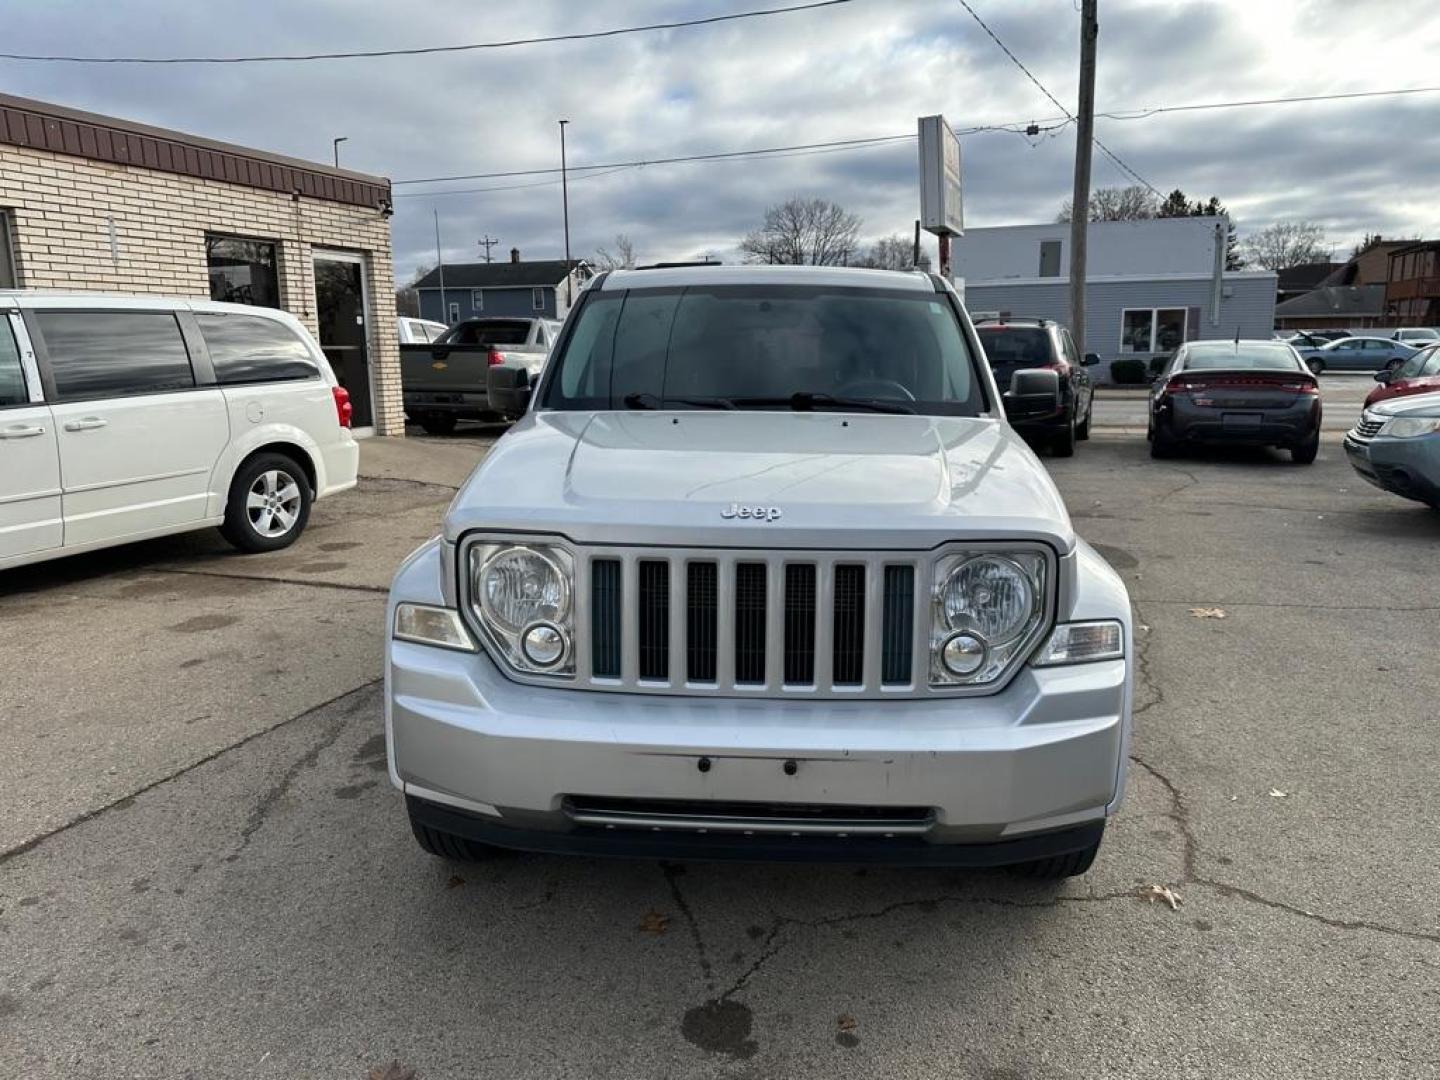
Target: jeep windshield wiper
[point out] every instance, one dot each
(808, 402)
(655, 401)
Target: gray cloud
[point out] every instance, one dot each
(868, 68)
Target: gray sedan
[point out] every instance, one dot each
(1396, 446)
(1357, 354)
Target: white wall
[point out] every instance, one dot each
(1152, 247)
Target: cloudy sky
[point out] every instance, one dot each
(864, 68)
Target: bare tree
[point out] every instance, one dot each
(894, 252)
(622, 258)
(1285, 244)
(801, 231)
(407, 297)
(1133, 203)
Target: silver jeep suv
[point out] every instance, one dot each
(763, 572)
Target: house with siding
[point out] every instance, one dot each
(1150, 284)
(543, 289)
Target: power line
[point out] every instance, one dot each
(585, 36)
(840, 145)
(1068, 115)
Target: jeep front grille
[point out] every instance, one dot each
(740, 622)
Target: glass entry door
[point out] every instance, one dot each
(340, 312)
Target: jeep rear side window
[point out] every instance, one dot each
(250, 349)
(749, 341)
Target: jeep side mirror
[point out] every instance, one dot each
(1384, 376)
(1033, 391)
(1091, 359)
(509, 390)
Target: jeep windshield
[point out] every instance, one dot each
(799, 347)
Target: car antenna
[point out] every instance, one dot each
(1237, 335)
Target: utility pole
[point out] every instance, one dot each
(1084, 143)
(487, 242)
(440, 265)
(565, 202)
(335, 148)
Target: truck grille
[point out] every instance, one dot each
(743, 621)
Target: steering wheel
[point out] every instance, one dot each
(875, 388)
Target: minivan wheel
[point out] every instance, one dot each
(1057, 867)
(269, 504)
(448, 846)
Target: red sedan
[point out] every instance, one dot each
(1418, 375)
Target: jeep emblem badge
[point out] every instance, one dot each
(751, 513)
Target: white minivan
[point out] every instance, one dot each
(125, 418)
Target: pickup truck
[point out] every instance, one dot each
(763, 571)
(445, 381)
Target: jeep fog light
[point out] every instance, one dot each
(1082, 642)
(426, 625)
(963, 654)
(543, 644)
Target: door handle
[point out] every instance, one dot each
(89, 423)
(21, 432)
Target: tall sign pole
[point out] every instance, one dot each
(440, 264)
(565, 202)
(942, 208)
(1084, 144)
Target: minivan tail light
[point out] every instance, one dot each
(494, 359)
(343, 409)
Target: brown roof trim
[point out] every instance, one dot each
(43, 126)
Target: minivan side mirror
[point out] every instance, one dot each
(1033, 392)
(1091, 359)
(509, 390)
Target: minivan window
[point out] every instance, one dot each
(114, 353)
(251, 349)
(737, 342)
(12, 375)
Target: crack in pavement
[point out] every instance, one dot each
(673, 872)
(128, 800)
(380, 589)
(1386, 608)
(277, 791)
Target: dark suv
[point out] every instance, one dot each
(1015, 344)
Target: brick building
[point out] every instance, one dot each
(95, 203)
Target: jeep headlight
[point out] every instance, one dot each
(987, 608)
(1408, 427)
(521, 595)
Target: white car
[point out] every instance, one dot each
(418, 331)
(1419, 336)
(763, 572)
(125, 418)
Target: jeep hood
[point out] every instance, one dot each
(837, 481)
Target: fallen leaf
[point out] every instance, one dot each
(1276, 793)
(846, 1022)
(455, 881)
(1208, 612)
(654, 923)
(393, 1071)
(1161, 892)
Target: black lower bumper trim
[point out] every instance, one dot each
(636, 844)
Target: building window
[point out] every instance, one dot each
(242, 271)
(454, 312)
(477, 299)
(1151, 330)
(7, 256)
(1049, 258)
(537, 299)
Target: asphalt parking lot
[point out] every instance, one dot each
(205, 872)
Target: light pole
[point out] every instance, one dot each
(565, 203)
(335, 147)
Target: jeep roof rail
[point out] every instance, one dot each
(676, 265)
